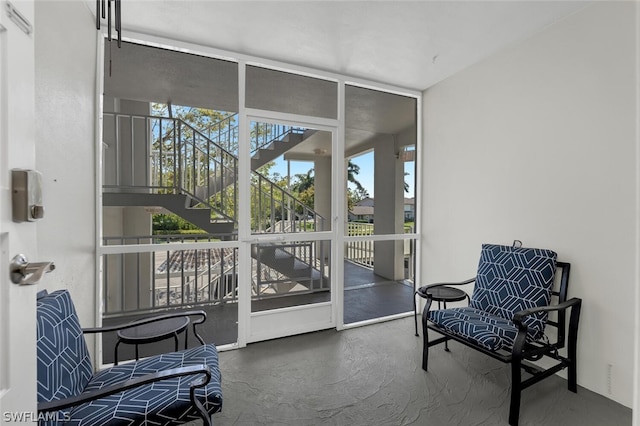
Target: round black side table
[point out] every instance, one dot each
(152, 332)
(442, 294)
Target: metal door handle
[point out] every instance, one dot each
(24, 273)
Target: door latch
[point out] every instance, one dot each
(24, 273)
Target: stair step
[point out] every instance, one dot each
(176, 203)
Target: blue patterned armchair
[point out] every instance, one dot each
(165, 389)
(508, 314)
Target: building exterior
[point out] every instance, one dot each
(364, 210)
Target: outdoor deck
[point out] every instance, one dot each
(366, 296)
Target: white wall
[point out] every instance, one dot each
(537, 143)
(65, 43)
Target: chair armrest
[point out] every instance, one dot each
(201, 314)
(129, 384)
(519, 316)
(469, 281)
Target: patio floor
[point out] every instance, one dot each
(366, 296)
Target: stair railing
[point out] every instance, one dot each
(181, 159)
(224, 133)
(264, 134)
(166, 155)
(275, 210)
(200, 160)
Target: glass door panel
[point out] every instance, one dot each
(290, 274)
(290, 288)
(290, 202)
(290, 179)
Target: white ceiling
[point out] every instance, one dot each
(401, 43)
(407, 44)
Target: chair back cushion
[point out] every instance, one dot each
(64, 365)
(511, 279)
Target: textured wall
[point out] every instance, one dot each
(537, 143)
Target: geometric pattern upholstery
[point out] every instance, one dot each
(64, 365)
(509, 279)
(489, 331)
(159, 403)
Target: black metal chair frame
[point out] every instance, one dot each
(523, 352)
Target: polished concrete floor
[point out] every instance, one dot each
(372, 376)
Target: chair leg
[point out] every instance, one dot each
(415, 314)
(516, 379)
(115, 353)
(425, 335)
(516, 376)
(572, 346)
(425, 347)
(446, 342)
(572, 381)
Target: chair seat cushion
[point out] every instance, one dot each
(158, 403)
(489, 331)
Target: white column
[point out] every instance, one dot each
(388, 208)
(322, 188)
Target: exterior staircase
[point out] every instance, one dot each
(179, 204)
(192, 176)
(278, 146)
(297, 262)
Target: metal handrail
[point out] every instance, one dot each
(274, 132)
(283, 207)
(230, 133)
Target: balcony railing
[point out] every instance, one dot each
(163, 279)
(151, 281)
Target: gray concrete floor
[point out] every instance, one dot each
(372, 376)
(366, 296)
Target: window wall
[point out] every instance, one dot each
(380, 146)
(252, 206)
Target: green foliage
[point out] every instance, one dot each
(168, 223)
(307, 197)
(164, 222)
(205, 120)
(352, 171)
(303, 182)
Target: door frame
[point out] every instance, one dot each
(293, 320)
(18, 357)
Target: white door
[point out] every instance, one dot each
(17, 151)
(290, 236)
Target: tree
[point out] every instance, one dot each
(352, 171)
(307, 197)
(302, 182)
